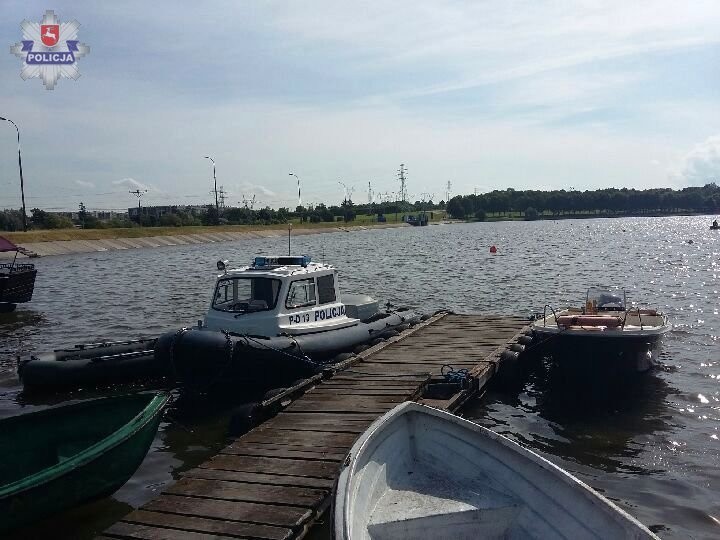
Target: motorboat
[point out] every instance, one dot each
(277, 318)
(420, 472)
(280, 318)
(17, 280)
(605, 332)
(714, 226)
(65, 455)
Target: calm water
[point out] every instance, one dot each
(652, 448)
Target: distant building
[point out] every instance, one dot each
(102, 215)
(158, 211)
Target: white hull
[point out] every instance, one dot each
(419, 472)
(629, 343)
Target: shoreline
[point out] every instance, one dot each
(47, 248)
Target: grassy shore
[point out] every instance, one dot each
(51, 235)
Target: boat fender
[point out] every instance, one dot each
(342, 357)
(509, 356)
(272, 393)
(517, 347)
(525, 340)
(243, 419)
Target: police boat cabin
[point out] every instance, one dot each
(277, 296)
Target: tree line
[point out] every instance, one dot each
(527, 204)
(533, 204)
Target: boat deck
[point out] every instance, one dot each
(276, 480)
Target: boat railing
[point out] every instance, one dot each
(627, 312)
(548, 306)
(12, 267)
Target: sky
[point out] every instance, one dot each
(483, 94)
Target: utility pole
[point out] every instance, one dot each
(403, 182)
(138, 193)
(217, 206)
(370, 194)
(22, 182)
(447, 192)
(298, 184)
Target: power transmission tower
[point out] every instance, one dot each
(348, 191)
(220, 196)
(403, 182)
(248, 203)
(138, 193)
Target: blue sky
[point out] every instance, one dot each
(487, 95)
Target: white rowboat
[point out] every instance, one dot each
(419, 472)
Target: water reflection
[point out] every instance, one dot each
(601, 426)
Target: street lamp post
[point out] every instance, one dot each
(22, 182)
(217, 207)
(298, 183)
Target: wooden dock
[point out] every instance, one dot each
(276, 480)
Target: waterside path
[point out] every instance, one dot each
(275, 481)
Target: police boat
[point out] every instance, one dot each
(278, 319)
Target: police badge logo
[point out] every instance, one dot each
(49, 50)
(50, 34)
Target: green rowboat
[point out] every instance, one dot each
(62, 456)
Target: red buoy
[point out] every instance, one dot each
(493, 249)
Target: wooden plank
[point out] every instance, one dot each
(271, 465)
(236, 491)
(211, 526)
(260, 478)
(268, 450)
(338, 406)
(320, 424)
(304, 438)
(352, 399)
(372, 391)
(146, 532)
(344, 385)
(267, 514)
(357, 417)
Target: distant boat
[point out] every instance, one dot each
(715, 226)
(419, 472)
(59, 457)
(17, 281)
(604, 335)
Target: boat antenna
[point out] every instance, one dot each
(289, 231)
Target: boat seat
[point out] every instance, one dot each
(257, 305)
(486, 523)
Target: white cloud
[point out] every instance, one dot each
(133, 184)
(702, 164)
(84, 184)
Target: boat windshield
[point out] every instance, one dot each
(606, 300)
(246, 294)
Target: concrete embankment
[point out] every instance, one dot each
(67, 247)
